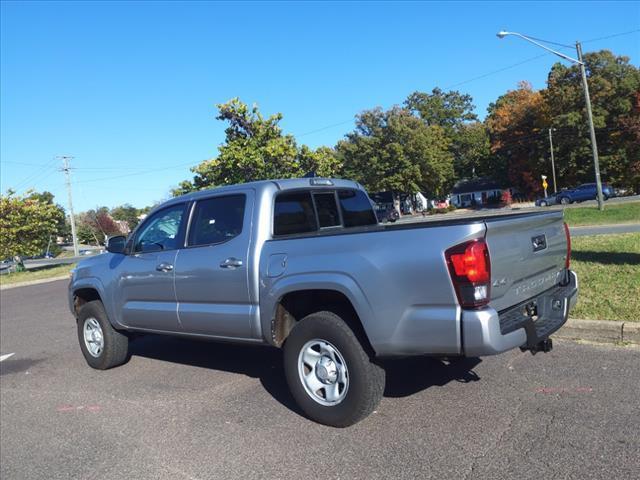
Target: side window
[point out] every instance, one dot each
(327, 209)
(216, 220)
(293, 213)
(160, 231)
(356, 208)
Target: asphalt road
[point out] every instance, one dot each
(189, 410)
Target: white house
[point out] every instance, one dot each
(477, 191)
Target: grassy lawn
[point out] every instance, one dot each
(613, 213)
(608, 268)
(39, 274)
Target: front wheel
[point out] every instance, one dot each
(543, 204)
(565, 201)
(102, 345)
(330, 375)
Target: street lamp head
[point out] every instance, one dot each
(502, 34)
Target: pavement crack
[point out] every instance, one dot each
(498, 441)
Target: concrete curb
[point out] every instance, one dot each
(604, 331)
(33, 282)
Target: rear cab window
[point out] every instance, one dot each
(309, 211)
(294, 214)
(357, 210)
(216, 220)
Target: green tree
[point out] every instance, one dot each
(323, 161)
(127, 213)
(27, 224)
(614, 86)
(448, 110)
(254, 149)
(471, 151)
(395, 151)
(64, 228)
(454, 113)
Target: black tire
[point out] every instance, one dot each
(565, 201)
(543, 204)
(115, 349)
(366, 380)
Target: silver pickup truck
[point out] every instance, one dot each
(303, 264)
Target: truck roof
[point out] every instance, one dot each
(282, 184)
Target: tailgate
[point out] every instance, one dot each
(527, 256)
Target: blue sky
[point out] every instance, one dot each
(129, 89)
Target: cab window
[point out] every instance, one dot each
(160, 231)
(293, 213)
(216, 220)
(327, 209)
(356, 208)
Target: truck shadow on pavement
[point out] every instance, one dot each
(405, 377)
(607, 258)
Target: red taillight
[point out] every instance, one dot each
(470, 270)
(567, 262)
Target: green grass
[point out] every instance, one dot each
(608, 268)
(39, 274)
(613, 213)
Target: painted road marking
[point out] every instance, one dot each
(4, 357)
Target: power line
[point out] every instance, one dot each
(325, 128)
(48, 169)
(550, 42)
(138, 173)
(497, 71)
(612, 36)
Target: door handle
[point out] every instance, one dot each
(231, 262)
(164, 267)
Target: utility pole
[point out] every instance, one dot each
(553, 165)
(65, 162)
(583, 72)
(594, 146)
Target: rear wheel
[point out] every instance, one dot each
(543, 204)
(329, 373)
(102, 345)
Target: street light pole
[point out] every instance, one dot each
(579, 61)
(592, 131)
(553, 165)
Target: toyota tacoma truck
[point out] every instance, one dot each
(304, 265)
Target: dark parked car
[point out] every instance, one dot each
(386, 213)
(586, 191)
(546, 201)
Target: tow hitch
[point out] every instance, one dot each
(544, 346)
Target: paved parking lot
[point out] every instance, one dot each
(186, 409)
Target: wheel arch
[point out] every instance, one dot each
(87, 290)
(298, 296)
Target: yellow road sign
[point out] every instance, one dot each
(544, 184)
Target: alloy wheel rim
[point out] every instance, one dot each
(323, 372)
(93, 337)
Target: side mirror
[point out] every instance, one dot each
(116, 244)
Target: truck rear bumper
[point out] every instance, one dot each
(488, 332)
